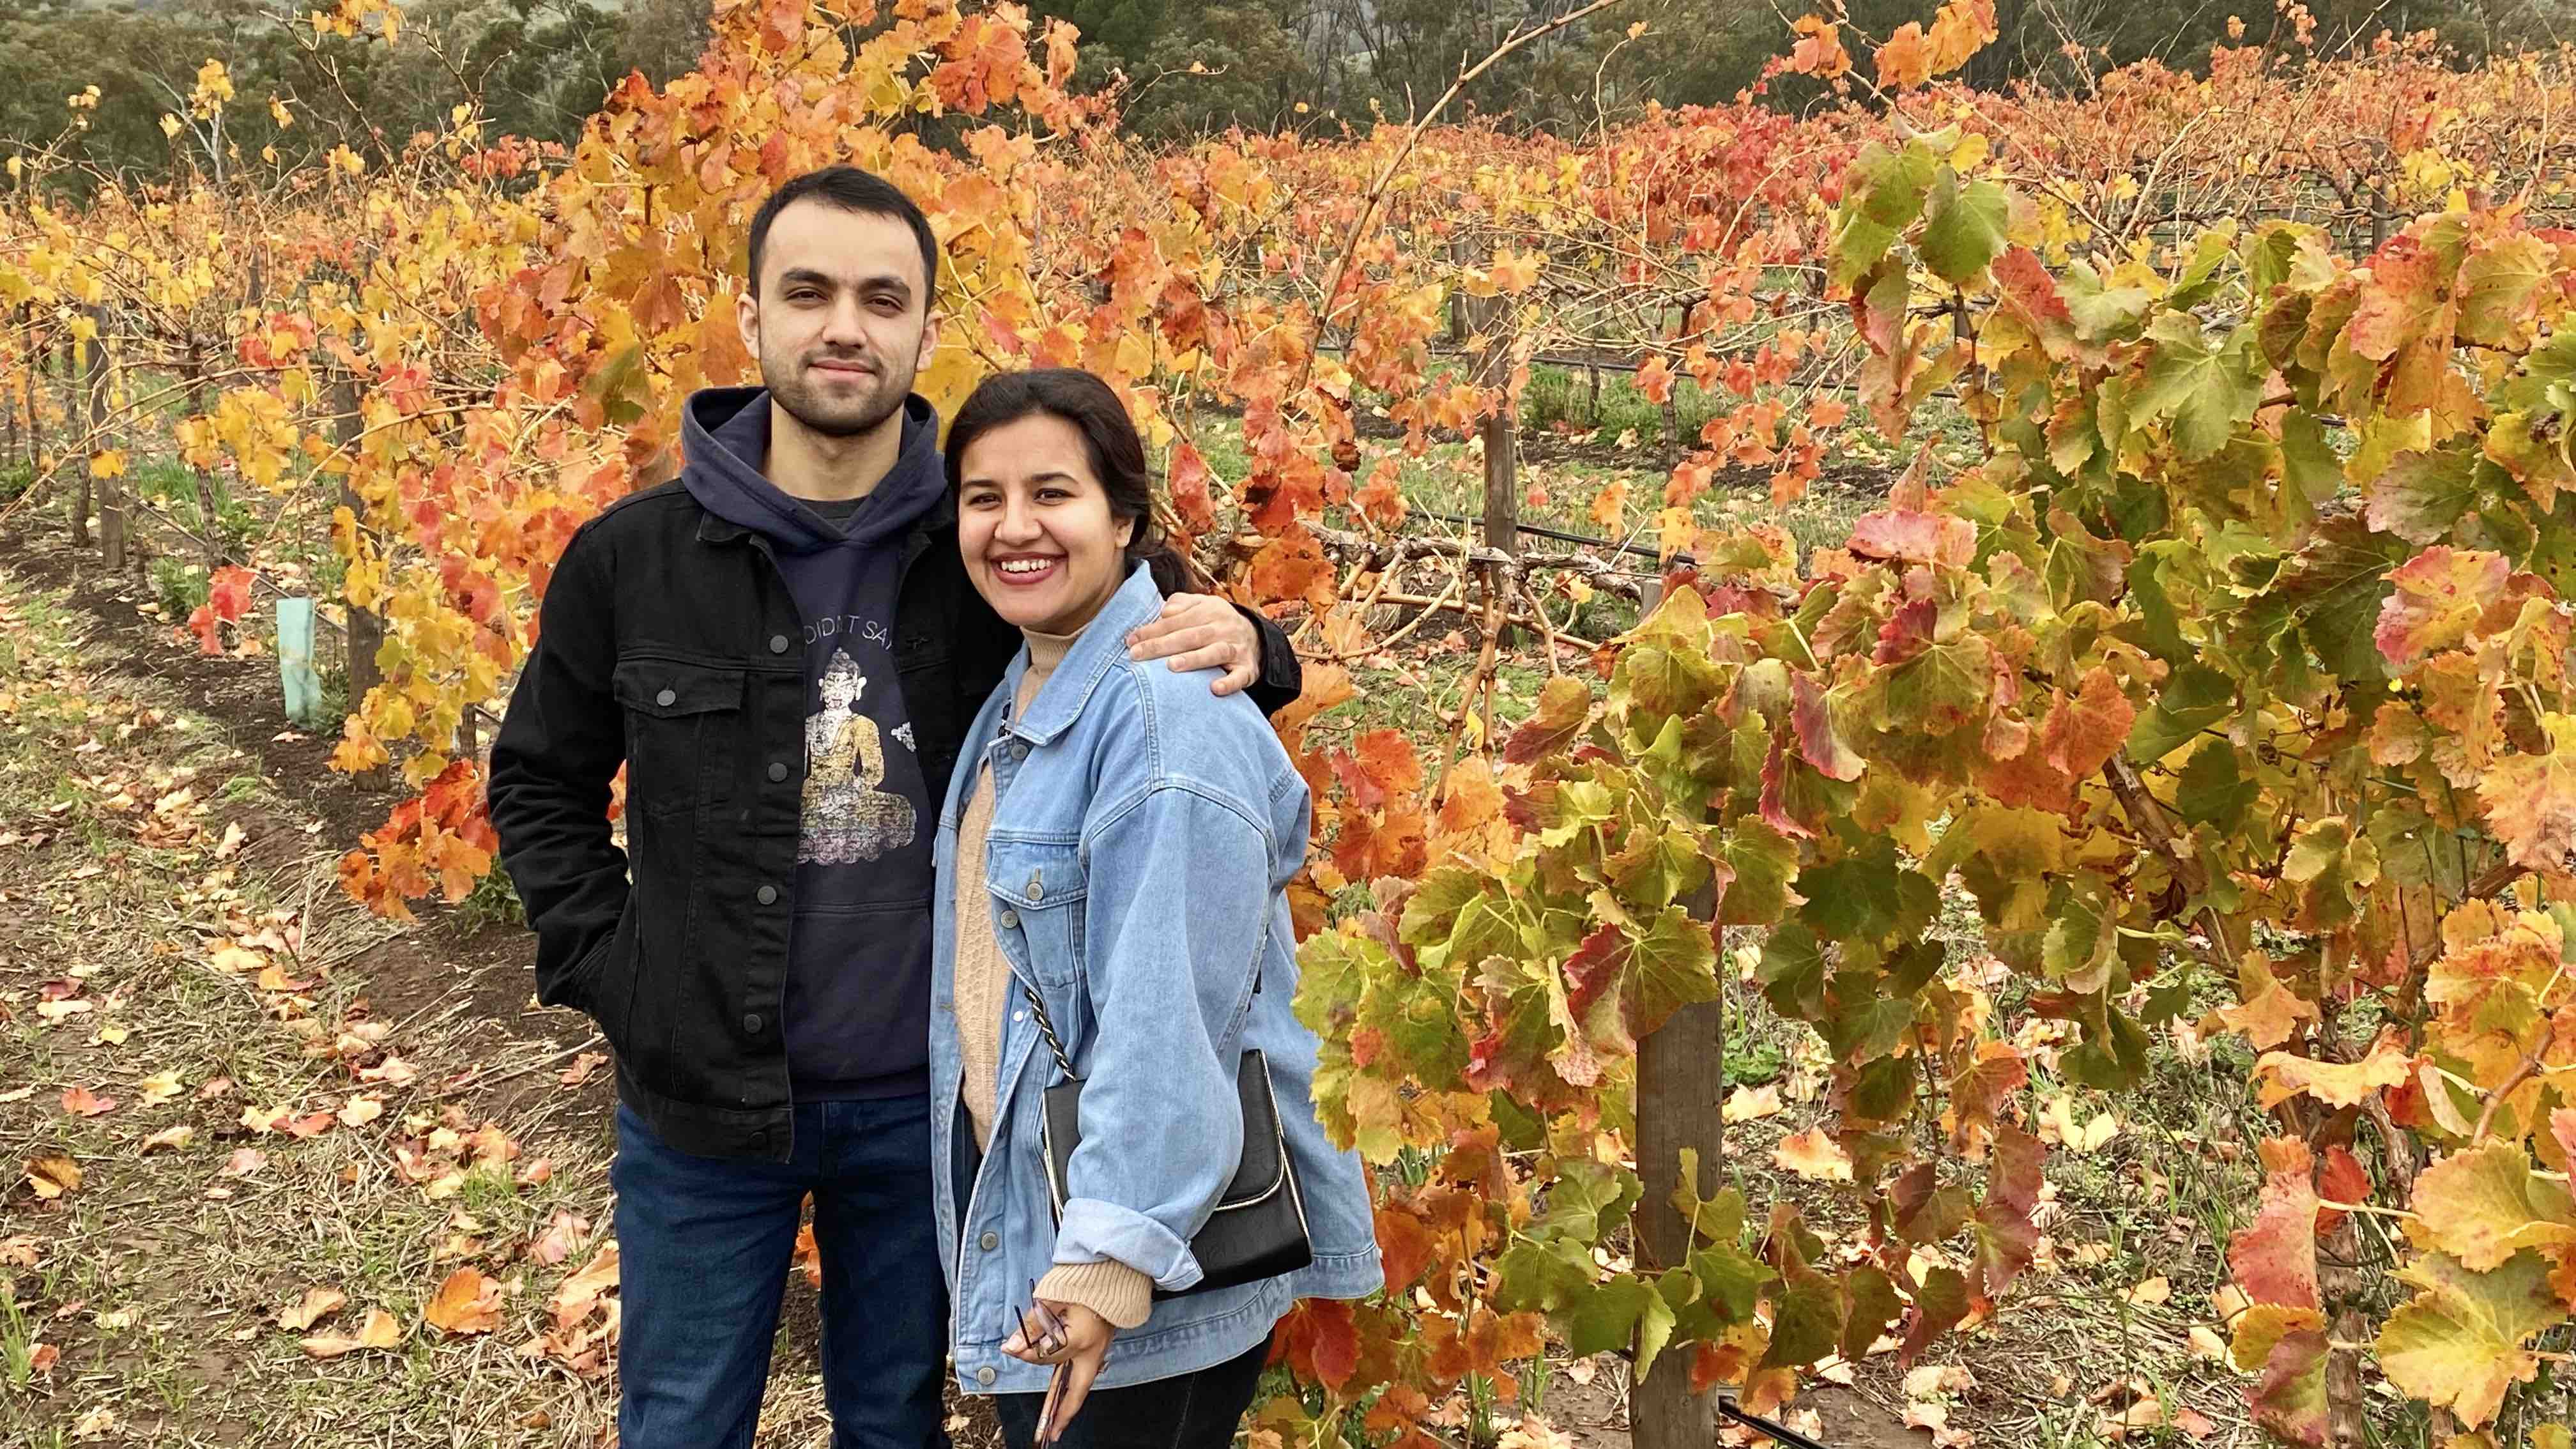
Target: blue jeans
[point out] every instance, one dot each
(705, 1246)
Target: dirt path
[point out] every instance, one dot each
(226, 1091)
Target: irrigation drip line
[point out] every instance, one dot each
(1543, 531)
(1777, 1433)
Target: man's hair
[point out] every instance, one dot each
(850, 189)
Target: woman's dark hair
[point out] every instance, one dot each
(1109, 442)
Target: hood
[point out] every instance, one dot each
(724, 433)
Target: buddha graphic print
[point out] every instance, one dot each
(849, 815)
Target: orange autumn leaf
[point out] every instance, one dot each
(467, 1302)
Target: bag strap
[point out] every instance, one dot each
(1046, 1028)
(1055, 1044)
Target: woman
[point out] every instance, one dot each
(1119, 844)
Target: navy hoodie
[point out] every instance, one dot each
(857, 1014)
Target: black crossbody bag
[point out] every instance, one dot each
(1258, 1229)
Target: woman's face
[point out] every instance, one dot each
(1034, 526)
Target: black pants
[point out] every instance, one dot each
(1193, 1411)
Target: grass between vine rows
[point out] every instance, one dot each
(155, 808)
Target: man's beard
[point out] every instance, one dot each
(840, 414)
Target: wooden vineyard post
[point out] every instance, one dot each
(111, 488)
(366, 632)
(1681, 1094)
(1501, 438)
(94, 388)
(213, 541)
(1681, 1098)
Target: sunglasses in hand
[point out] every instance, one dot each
(1044, 1332)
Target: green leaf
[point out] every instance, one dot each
(1792, 972)
(2211, 791)
(1760, 862)
(1869, 1027)
(1655, 1320)
(1543, 1277)
(2194, 698)
(1963, 227)
(1882, 194)
(1874, 1305)
(1605, 1319)
(2208, 392)
(1807, 1320)
(1717, 1219)
(1672, 965)
(1587, 1200)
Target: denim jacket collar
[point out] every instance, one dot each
(1101, 645)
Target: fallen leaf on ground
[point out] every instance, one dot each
(380, 1331)
(359, 1111)
(467, 1302)
(2152, 1292)
(2207, 1344)
(245, 1161)
(81, 1101)
(51, 1177)
(1745, 1104)
(1812, 1154)
(2194, 1423)
(563, 1237)
(1929, 1379)
(42, 1358)
(98, 1423)
(589, 1062)
(158, 1088)
(316, 1305)
(174, 1137)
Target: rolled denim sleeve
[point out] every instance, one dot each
(1179, 904)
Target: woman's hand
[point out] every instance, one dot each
(1078, 1344)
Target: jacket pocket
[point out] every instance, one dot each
(682, 721)
(1038, 890)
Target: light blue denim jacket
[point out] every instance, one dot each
(1144, 832)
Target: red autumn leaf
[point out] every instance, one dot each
(1404, 1244)
(2275, 1260)
(1818, 741)
(1189, 478)
(2340, 1178)
(2007, 1235)
(1319, 1341)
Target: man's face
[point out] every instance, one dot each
(842, 319)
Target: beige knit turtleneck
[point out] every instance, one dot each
(983, 991)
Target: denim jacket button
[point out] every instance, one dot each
(1019, 750)
(989, 1241)
(751, 1023)
(985, 1376)
(777, 770)
(766, 895)
(667, 698)
(777, 643)
(1010, 920)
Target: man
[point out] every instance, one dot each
(782, 648)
